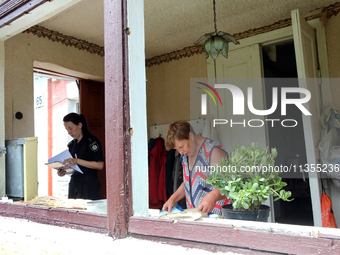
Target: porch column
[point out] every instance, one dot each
(117, 143)
(2, 119)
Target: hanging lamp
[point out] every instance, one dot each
(216, 42)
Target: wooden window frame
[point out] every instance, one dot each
(226, 237)
(119, 221)
(14, 9)
(56, 216)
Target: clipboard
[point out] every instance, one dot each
(56, 162)
(59, 166)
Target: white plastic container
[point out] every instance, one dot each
(214, 216)
(98, 206)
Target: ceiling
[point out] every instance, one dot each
(174, 24)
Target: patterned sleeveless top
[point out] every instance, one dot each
(194, 181)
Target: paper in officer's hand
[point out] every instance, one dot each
(59, 158)
(60, 166)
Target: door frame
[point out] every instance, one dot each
(304, 37)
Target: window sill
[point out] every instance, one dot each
(239, 235)
(78, 219)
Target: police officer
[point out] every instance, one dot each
(87, 154)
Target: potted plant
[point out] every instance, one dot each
(248, 177)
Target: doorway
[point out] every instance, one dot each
(54, 97)
(279, 65)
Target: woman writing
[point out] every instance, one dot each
(197, 153)
(87, 154)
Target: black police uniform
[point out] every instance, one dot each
(87, 185)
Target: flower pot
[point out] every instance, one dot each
(261, 215)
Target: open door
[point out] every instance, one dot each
(91, 99)
(306, 61)
(242, 68)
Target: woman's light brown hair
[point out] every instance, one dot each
(177, 130)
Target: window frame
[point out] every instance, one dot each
(119, 221)
(225, 235)
(232, 237)
(93, 222)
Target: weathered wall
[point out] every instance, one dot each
(333, 48)
(168, 89)
(25, 51)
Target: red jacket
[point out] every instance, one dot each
(157, 189)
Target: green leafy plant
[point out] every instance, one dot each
(249, 177)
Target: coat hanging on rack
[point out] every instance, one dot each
(157, 172)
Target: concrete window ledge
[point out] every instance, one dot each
(297, 230)
(239, 236)
(243, 237)
(78, 219)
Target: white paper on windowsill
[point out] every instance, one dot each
(61, 157)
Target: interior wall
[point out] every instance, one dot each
(25, 51)
(168, 89)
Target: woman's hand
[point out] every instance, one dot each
(70, 161)
(61, 172)
(168, 205)
(208, 203)
(178, 195)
